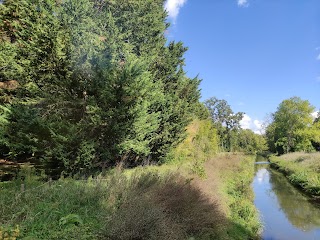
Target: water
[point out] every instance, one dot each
(286, 213)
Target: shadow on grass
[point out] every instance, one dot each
(145, 205)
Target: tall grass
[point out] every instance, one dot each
(190, 197)
(143, 205)
(237, 177)
(302, 169)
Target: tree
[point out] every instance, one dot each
(251, 142)
(290, 123)
(226, 121)
(97, 78)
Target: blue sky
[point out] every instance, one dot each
(252, 53)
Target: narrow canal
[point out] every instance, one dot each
(285, 212)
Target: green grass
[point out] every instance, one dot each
(145, 204)
(302, 169)
(187, 198)
(239, 196)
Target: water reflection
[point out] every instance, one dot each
(300, 212)
(285, 211)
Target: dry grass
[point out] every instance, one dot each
(162, 207)
(307, 160)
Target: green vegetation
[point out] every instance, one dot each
(237, 176)
(89, 89)
(292, 128)
(294, 131)
(172, 201)
(302, 169)
(232, 137)
(90, 84)
(144, 205)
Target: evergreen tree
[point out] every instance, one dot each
(98, 83)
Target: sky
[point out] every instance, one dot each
(252, 53)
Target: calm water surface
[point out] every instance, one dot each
(285, 212)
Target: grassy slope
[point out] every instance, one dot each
(235, 173)
(302, 169)
(202, 199)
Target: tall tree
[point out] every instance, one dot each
(102, 84)
(226, 121)
(290, 121)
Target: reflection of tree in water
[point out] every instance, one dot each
(299, 211)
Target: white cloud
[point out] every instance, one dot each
(173, 8)
(314, 114)
(318, 58)
(246, 122)
(255, 125)
(243, 3)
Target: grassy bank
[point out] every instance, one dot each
(145, 203)
(236, 173)
(189, 197)
(302, 169)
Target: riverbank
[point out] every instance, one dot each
(302, 170)
(196, 194)
(166, 202)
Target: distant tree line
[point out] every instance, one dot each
(232, 137)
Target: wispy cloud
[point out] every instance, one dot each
(243, 3)
(255, 125)
(318, 58)
(173, 8)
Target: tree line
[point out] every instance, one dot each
(89, 84)
(98, 83)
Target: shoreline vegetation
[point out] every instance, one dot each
(165, 202)
(206, 196)
(104, 107)
(301, 169)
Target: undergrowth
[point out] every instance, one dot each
(144, 205)
(189, 197)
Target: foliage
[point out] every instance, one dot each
(251, 142)
(98, 84)
(232, 137)
(292, 129)
(201, 144)
(225, 120)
